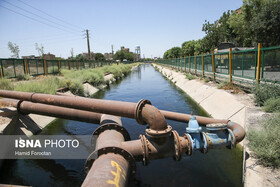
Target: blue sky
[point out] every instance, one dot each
(155, 25)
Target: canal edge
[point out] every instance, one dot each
(211, 99)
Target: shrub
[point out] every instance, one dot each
(272, 105)
(207, 79)
(265, 91)
(48, 85)
(265, 141)
(6, 84)
(222, 84)
(23, 77)
(76, 88)
(190, 76)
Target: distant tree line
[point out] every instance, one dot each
(257, 22)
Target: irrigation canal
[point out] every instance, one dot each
(221, 167)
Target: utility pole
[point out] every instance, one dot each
(112, 52)
(89, 54)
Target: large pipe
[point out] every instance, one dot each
(111, 168)
(108, 170)
(186, 117)
(26, 107)
(148, 113)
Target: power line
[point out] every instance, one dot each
(50, 15)
(38, 16)
(33, 19)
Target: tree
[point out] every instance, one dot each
(14, 49)
(129, 56)
(265, 24)
(199, 47)
(167, 54)
(121, 55)
(40, 49)
(188, 48)
(99, 57)
(176, 52)
(240, 29)
(81, 57)
(217, 32)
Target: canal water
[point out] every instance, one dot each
(221, 167)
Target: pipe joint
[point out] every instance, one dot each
(138, 111)
(110, 149)
(145, 113)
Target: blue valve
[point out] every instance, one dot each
(197, 137)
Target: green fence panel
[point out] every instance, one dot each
(199, 62)
(222, 63)
(52, 66)
(244, 63)
(193, 64)
(19, 67)
(208, 67)
(64, 64)
(8, 68)
(271, 64)
(35, 66)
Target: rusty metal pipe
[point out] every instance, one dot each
(117, 108)
(108, 170)
(154, 118)
(186, 117)
(149, 114)
(26, 107)
(156, 150)
(109, 137)
(237, 130)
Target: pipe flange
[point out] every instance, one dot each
(158, 134)
(145, 148)
(178, 148)
(189, 149)
(18, 109)
(205, 145)
(138, 110)
(233, 140)
(111, 126)
(117, 150)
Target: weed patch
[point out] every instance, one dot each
(6, 84)
(265, 91)
(190, 76)
(265, 141)
(272, 105)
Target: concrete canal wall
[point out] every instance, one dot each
(222, 104)
(218, 103)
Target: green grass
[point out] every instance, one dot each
(206, 79)
(222, 84)
(71, 79)
(23, 77)
(265, 142)
(116, 70)
(6, 84)
(265, 91)
(93, 76)
(190, 76)
(47, 85)
(272, 105)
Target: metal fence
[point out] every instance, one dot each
(14, 68)
(246, 66)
